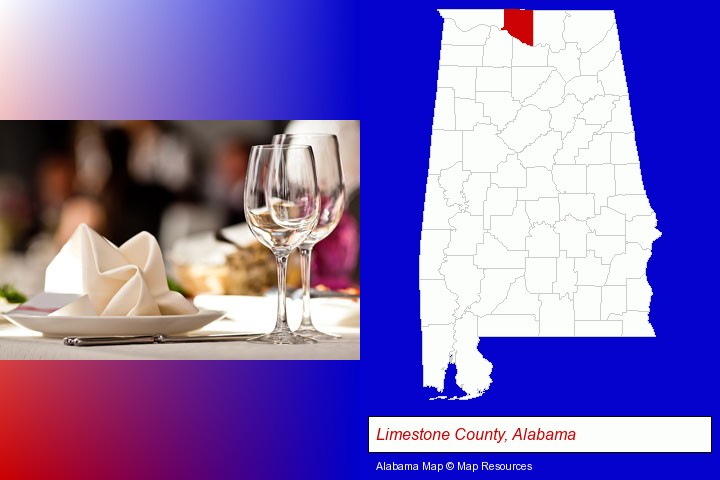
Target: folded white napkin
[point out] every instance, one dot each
(115, 281)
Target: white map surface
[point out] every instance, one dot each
(536, 221)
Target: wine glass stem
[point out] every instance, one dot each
(282, 324)
(305, 257)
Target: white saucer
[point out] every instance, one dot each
(58, 326)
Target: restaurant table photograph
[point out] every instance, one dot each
(179, 240)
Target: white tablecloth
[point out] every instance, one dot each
(20, 344)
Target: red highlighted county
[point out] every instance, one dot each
(519, 24)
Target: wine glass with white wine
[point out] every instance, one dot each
(282, 209)
(331, 187)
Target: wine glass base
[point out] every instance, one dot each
(282, 338)
(312, 332)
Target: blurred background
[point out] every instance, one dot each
(182, 181)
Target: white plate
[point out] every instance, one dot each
(108, 326)
(259, 313)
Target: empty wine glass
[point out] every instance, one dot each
(282, 208)
(331, 187)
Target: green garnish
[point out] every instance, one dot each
(175, 286)
(9, 293)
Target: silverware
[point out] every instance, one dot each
(296, 294)
(159, 338)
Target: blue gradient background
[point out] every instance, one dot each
(376, 61)
(178, 59)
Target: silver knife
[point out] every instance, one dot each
(297, 294)
(159, 338)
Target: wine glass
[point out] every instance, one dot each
(331, 187)
(281, 208)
